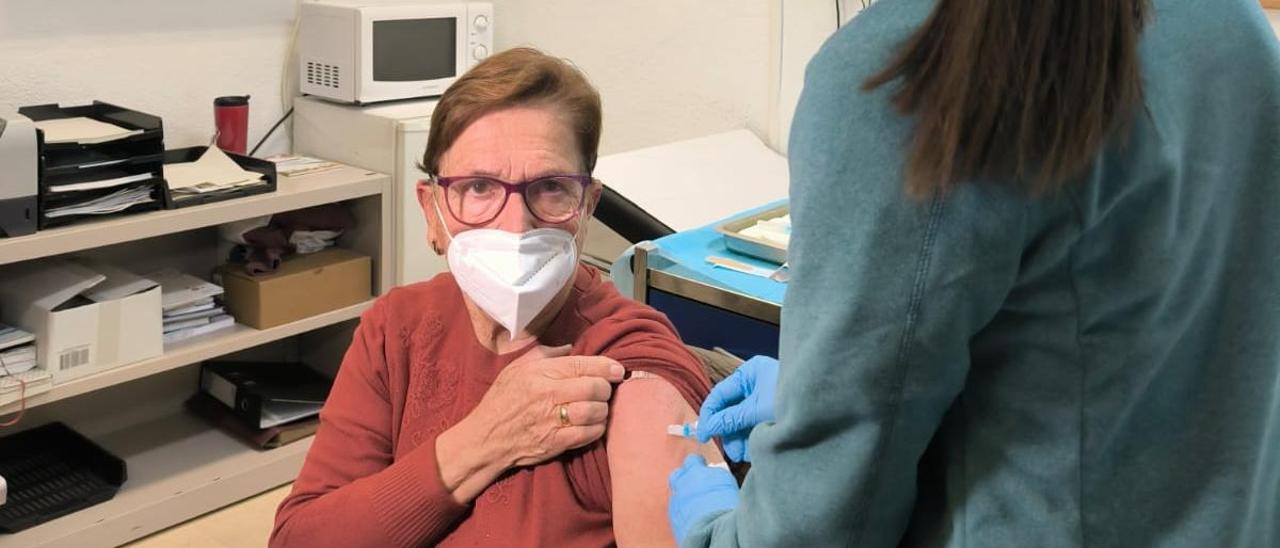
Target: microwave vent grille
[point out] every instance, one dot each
(322, 74)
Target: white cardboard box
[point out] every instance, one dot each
(87, 317)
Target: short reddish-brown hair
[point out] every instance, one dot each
(516, 77)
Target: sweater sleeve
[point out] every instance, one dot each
(643, 339)
(351, 492)
(886, 293)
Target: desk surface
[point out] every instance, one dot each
(688, 184)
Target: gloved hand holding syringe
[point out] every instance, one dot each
(732, 410)
(734, 407)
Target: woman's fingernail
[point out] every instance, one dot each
(617, 371)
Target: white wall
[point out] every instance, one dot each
(802, 27)
(165, 57)
(666, 69)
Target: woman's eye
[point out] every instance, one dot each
(551, 186)
(479, 187)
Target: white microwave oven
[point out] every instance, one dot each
(359, 52)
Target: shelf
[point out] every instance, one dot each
(343, 183)
(179, 468)
(188, 352)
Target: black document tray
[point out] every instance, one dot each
(53, 471)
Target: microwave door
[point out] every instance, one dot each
(414, 50)
(410, 57)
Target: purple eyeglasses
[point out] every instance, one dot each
(476, 201)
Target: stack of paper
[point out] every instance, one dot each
(17, 351)
(117, 201)
(214, 171)
(291, 165)
(101, 183)
(81, 130)
(24, 385)
(188, 305)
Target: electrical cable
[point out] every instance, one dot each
(270, 131)
(290, 69)
(838, 18)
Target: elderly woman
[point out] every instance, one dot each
(480, 407)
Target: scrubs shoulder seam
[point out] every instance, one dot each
(901, 362)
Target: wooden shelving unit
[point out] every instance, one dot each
(293, 193)
(188, 352)
(179, 466)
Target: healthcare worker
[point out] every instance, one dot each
(1036, 288)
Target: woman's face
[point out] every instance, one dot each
(515, 144)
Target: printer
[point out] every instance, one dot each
(19, 168)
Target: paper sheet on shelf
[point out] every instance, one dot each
(38, 382)
(179, 290)
(11, 336)
(213, 171)
(111, 203)
(218, 323)
(18, 360)
(278, 412)
(209, 313)
(291, 165)
(85, 131)
(198, 306)
(101, 183)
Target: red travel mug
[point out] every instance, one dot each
(231, 117)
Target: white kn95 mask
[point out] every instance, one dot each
(512, 276)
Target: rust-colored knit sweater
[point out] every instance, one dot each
(415, 369)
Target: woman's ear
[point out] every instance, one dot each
(593, 197)
(435, 231)
(588, 210)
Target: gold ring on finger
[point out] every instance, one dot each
(564, 415)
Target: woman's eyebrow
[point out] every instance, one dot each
(493, 174)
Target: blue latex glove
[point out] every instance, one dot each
(698, 490)
(736, 405)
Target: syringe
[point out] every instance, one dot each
(689, 430)
(686, 430)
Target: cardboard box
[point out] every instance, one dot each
(87, 317)
(303, 286)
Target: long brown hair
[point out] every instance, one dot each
(1027, 90)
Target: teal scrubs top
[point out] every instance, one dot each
(1096, 367)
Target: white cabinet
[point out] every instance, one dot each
(385, 138)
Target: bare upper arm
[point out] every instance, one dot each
(642, 455)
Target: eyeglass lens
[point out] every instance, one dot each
(478, 200)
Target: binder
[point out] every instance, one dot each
(203, 405)
(264, 395)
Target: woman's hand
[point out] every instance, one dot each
(519, 421)
(521, 411)
(737, 404)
